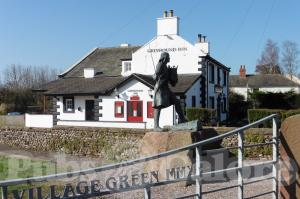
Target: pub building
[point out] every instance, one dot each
(113, 87)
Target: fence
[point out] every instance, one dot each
(197, 178)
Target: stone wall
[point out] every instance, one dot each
(251, 136)
(111, 144)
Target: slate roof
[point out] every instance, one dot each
(104, 85)
(258, 81)
(185, 81)
(105, 60)
(81, 85)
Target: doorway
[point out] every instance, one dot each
(89, 110)
(135, 110)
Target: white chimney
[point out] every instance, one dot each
(89, 72)
(202, 44)
(168, 24)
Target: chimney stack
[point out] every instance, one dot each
(168, 24)
(242, 71)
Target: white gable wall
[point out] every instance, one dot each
(182, 54)
(133, 88)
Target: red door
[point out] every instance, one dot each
(135, 110)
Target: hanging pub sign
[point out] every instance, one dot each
(218, 89)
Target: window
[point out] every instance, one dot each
(68, 104)
(219, 76)
(149, 110)
(212, 102)
(127, 66)
(224, 78)
(193, 101)
(119, 109)
(224, 105)
(211, 73)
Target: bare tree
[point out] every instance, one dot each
(290, 60)
(268, 63)
(28, 77)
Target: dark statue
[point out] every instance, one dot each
(163, 96)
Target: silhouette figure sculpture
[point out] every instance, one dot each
(163, 96)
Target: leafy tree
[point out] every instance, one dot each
(268, 63)
(290, 60)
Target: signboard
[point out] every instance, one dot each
(218, 89)
(160, 50)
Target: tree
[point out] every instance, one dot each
(268, 63)
(19, 80)
(290, 60)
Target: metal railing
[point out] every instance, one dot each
(199, 174)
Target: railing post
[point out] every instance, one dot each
(240, 164)
(4, 192)
(147, 192)
(275, 158)
(198, 173)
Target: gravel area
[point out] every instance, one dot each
(210, 191)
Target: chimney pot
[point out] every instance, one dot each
(199, 38)
(204, 38)
(165, 14)
(171, 13)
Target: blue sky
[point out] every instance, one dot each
(59, 32)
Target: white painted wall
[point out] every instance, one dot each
(182, 54)
(211, 88)
(279, 89)
(243, 90)
(168, 26)
(240, 90)
(193, 91)
(78, 115)
(38, 121)
(141, 125)
(133, 88)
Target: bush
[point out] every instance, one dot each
(3, 109)
(289, 113)
(203, 114)
(237, 106)
(269, 100)
(257, 114)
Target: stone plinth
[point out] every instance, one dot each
(290, 154)
(174, 166)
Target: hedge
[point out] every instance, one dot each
(256, 114)
(203, 114)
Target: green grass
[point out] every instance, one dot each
(13, 167)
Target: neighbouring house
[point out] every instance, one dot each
(113, 87)
(244, 84)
